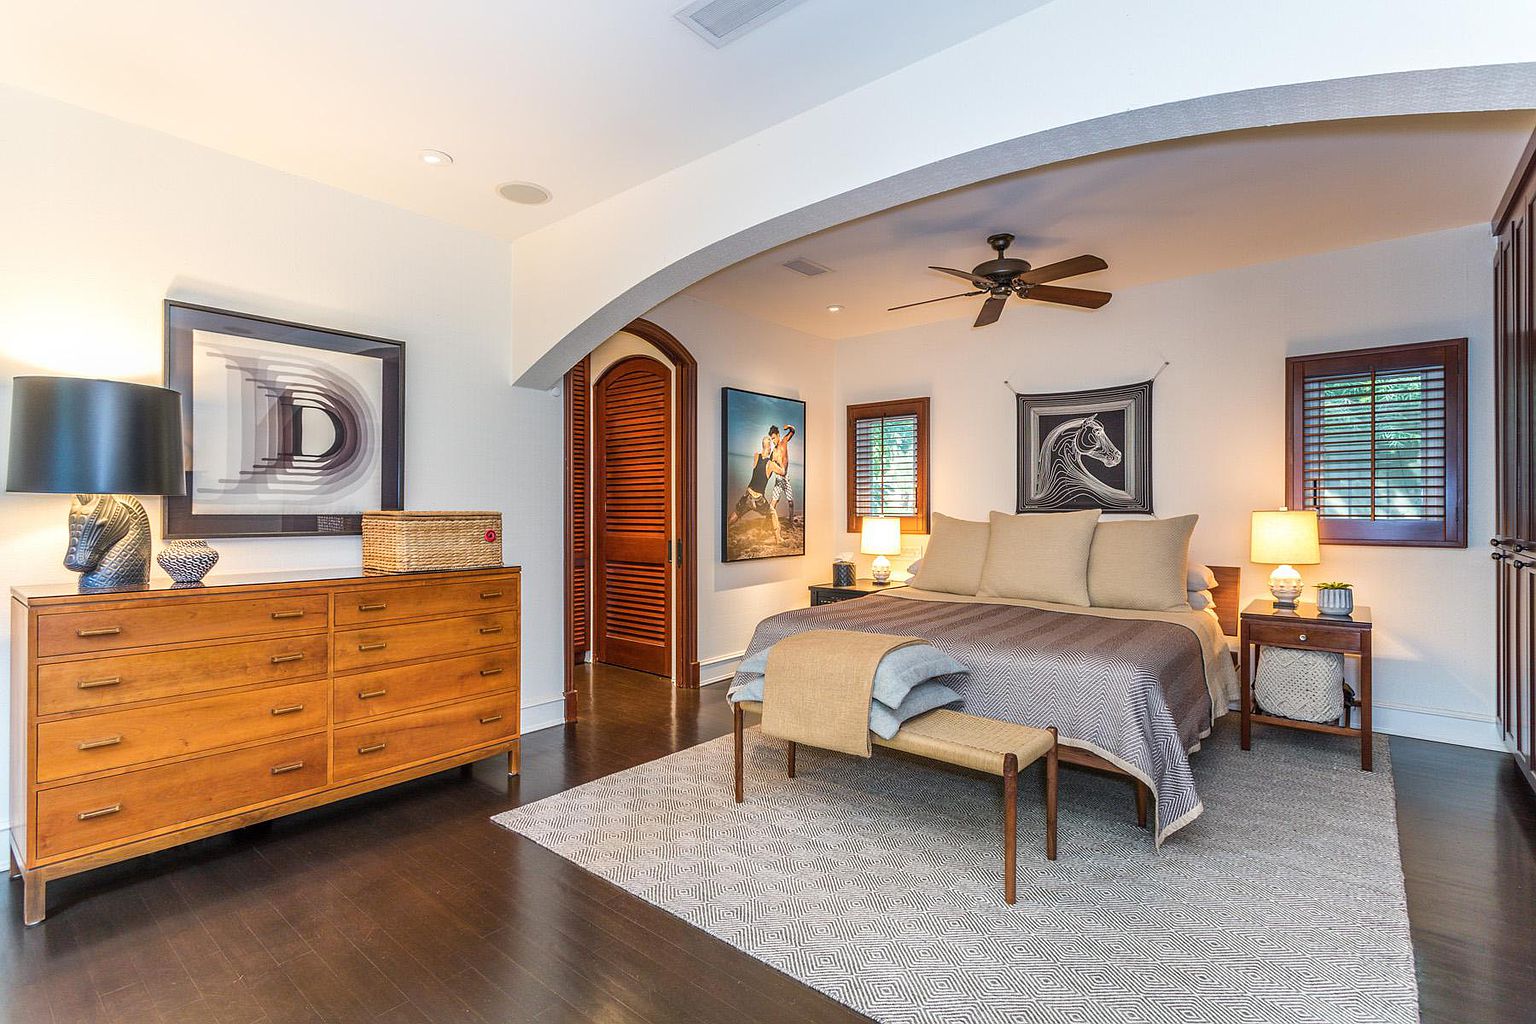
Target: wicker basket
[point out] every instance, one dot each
(423, 541)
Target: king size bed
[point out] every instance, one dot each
(1132, 692)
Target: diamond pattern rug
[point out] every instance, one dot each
(879, 882)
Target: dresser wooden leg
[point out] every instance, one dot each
(515, 759)
(34, 899)
(1010, 824)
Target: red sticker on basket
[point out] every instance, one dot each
(490, 536)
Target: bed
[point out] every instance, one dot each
(1130, 692)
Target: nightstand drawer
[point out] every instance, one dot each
(1305, 634)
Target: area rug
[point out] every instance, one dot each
(879, 882)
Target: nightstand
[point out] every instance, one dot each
(828, 593)
(1304, 628)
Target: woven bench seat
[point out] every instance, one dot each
(965, 741)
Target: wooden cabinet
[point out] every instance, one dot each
(148, 718)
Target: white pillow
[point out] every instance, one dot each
(1201, 578)
(1200, 599)
(1040, 556)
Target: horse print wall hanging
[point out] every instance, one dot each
(1086, 449)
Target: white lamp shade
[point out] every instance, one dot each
(881, 536)
(1285, 537)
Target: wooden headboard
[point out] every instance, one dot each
(1228, 595)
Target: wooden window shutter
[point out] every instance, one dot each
(888, 463)
(1377, 443)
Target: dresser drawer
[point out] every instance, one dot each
(126, 678)
(156, 622)
(370, 694)
(373, 747)
(355, 607)
(1305, 634)
(109, 810)
(384, 645)
(116, 739)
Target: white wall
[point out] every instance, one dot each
(103, 221)
(1219, 429)
(736, 351)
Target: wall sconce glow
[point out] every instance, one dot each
(435, 158)
(834, 308)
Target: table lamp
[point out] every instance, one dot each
(102, 441)
(1285, 538)
(881, 537)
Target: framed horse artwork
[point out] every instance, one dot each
(1086, 449)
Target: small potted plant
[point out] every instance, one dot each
(1335, 598)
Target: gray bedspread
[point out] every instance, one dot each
(1131, 690)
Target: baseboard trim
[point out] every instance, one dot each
(1443, 725)
(544, 715)
(718, 670)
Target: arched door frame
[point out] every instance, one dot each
(685, 572)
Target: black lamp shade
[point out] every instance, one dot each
(70, 435)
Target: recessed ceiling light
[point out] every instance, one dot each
(834, 308)
(525, 192)
(435, 158)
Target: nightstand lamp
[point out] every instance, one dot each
(881, 537)
(1285, 538)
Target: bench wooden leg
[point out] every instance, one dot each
(1010, 823)
(1141, 802)
(1050, 799)
(736, 729)
(791, 760)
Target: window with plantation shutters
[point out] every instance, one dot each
(888, 463)
(1378, 441)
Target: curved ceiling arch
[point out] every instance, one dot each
(1429, 91)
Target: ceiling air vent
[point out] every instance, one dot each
(801, 265)
(719, 22)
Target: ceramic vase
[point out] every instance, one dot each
(187, 561)
(1335, 600)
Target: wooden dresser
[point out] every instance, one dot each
(148, 718)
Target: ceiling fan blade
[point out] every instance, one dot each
(979, 282)
(990, 311)
(1065, 268)
(1085, 297)
(941, 298)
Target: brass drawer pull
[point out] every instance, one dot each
(372, 748)
(100, 812)
(379, 646)
(283, 659)
(492, 671)
(93, 684)
(86, 634)
(106, 741)
(489, 595)
(284, 769)
(488, 719)
(487, 630)
(371, 607)
(370, 694)
(288, 709)
(296, 614)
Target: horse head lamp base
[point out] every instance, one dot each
(108, 541)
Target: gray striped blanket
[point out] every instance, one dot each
(1130, 690)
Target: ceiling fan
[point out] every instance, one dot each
(1003, 276)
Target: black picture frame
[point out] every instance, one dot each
(181, 319)
(785, 410)
(1117, 444)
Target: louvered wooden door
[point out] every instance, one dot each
(578, 509)
(632, 516)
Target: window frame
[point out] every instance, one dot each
(918, 407)
(1451, 354)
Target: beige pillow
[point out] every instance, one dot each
(1040, 556)
(952, 563)
(1141, 563)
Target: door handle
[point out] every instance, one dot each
(488, 719)
(370, 694)
(488, 630)
(284, 769)
(371, 748)
(372, 647)
(100, 812)
(490, 672)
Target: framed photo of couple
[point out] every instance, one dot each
(762, 476)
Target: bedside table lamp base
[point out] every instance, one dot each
(1285, 584)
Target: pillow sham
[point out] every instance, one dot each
(957, 549)
(1199, 600)
(1141, 564)
(1039, 556)
(1201, 578)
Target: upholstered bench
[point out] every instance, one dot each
(967, 741)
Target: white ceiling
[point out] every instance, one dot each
(585, 97)
(1154, 213)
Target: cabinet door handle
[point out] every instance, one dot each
(491, 671)
(283, 659)
(86, 634)
(93, 684)
(489, 595)
(371, 748)
(105, 741)
(488, 719)
(380, 606)
(100, 812)
(370, 694)
(284, 769)
(295, 614)
(378, 646)
(288, 709)
(487, 630)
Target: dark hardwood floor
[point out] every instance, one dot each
(409, 906)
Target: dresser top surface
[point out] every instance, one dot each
(68, 591)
